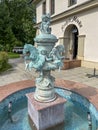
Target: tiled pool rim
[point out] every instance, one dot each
(87, 92)
(90, 93)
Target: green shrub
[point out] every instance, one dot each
(3, 60)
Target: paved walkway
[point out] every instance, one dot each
(18, 73)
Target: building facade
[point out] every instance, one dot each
(75, 24)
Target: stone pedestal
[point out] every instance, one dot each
(45, 115)
(45, 91)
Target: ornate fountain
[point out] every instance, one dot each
(45, 105)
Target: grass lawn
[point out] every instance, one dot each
(13, 55)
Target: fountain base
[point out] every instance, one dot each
(45, 115)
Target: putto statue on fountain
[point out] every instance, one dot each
(38, 60)
(45, 24)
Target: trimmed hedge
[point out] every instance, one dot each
(3, 60)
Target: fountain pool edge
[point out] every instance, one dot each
(78, 92)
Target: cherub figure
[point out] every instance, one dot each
(44, 28)
(56, 55)
(56, 52)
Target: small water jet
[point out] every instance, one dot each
(45, 104)
(10, 111)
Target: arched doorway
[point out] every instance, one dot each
(71, 41)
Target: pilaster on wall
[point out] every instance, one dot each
(81, 43)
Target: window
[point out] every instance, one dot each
(44, 7)
(52, 7)
(72, 2)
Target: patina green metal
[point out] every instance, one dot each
(44, 58)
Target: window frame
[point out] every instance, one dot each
(72, 2)
(44, 7)
(52, 7)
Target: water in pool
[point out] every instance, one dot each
(75, 118)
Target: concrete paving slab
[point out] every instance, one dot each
(18, 73)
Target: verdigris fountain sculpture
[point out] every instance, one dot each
(45, 107)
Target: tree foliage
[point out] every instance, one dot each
(16, 23)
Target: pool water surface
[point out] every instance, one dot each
(75, 119)
(75, 113)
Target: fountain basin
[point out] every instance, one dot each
(75, 110)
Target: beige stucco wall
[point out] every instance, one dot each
(38, 12)
(82, 1)
(61, 6)
(89, 29)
